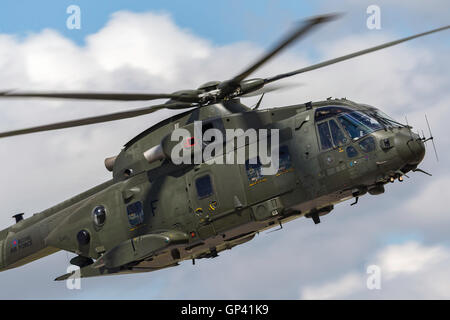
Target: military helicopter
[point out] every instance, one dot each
(155, 212)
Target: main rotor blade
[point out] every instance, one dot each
(352, 55)
(97, 119)
(272, 87)
(88, 95)
(307, 26)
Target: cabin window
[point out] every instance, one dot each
(338, 136)
(99, 216)
(367, 145)
(135, 213)
(351, 152)
(204, 186)
(285, 159)
(253, 168)
(325, 136)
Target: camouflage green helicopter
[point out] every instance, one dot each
(157, 211)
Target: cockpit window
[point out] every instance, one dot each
(367, 145)
(338, 136)
(325, 135)
(351, 152)
(330, 111)
(358, 124)
(384, 118)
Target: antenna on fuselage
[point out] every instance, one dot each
(259, 102)
(431, 138)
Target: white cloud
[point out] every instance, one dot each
(410, 270)
(433, 198)
(340, 288)
(409, 258)
(113, 48)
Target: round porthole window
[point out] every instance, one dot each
(99, 215)
(83, 237)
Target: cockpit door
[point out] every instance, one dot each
(332, 143)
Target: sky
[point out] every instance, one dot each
(163, 47)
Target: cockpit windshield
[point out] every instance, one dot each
(384, 119)
(358, 124)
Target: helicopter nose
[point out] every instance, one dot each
(410, 148)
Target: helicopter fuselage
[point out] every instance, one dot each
(153, 215)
